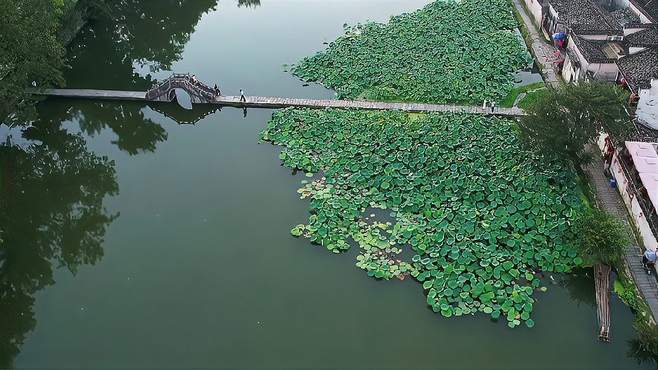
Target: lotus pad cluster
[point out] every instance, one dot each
(480, 214)
(448, 52)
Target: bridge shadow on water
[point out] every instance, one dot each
(183, 116)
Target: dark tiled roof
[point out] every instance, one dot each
(638, 69)
(625, 16)
(649, 6)
(585, 17)
(648, 37)
(591, 50)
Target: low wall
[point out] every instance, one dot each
(535, 9)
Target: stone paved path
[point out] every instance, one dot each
(544, 53)
(610, 200)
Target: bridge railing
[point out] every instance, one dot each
(159, 90)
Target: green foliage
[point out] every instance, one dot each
(561, 122)
(480, 213)
(29, 52)
(64, 7)
(645, 345)
(450, 51)
(511, 97)
(531, 97)
(626, 294)
(602, 238)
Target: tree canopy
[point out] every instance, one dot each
(564, 120)
(29, 52)
(602, 237)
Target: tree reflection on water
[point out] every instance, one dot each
(133, 35)
(52, 186)
(51, 216)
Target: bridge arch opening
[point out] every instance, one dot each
(182, 97)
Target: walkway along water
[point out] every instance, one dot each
(543, 52)
(277, 102)
(202, 94)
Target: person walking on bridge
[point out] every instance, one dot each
(242, 98)
(217, 92)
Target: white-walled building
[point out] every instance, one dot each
(634, 166)
(591, 59)
(596, 37)
(639, 73)
(647, 106)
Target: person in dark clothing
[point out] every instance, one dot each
(242, 97)
(217, 92)
(649, 260)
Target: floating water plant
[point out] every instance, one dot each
(481, 214)
(447, 52)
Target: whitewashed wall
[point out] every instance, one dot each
(595, 37)
(628, 31)
(535, 10)
(604, 71)
(569, 74)
(634, 50)
(633, 206)
(647, 106)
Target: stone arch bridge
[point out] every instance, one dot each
(199, 92)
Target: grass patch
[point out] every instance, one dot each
(530, 90)
(531, 97)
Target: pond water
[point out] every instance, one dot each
(176, 252)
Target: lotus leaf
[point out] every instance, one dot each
(463, 250)
(447, 52)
